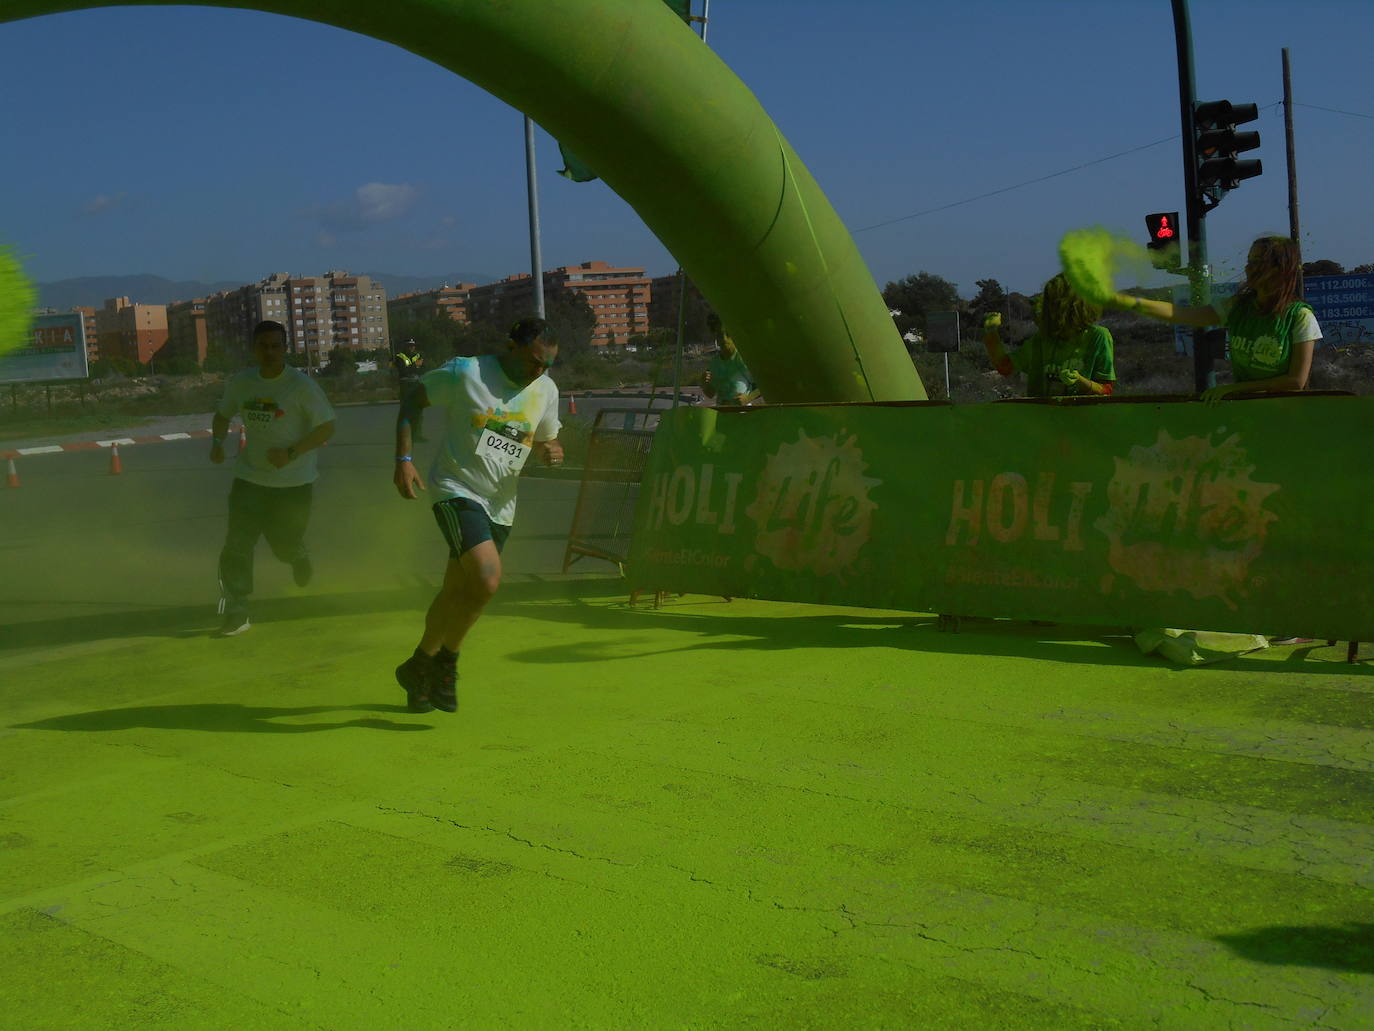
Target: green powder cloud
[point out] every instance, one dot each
(1093, 257)
(17, 300)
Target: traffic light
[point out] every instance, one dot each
(1164, 239)
(1216, 144)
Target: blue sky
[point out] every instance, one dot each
(157, 139)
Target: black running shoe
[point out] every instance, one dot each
(302, 570)
(415, 675)
(443, 690)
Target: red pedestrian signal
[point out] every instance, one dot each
(1163, 229)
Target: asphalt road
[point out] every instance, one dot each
(73, 537)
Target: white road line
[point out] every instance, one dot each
(39, 450)
(175, 436)
(121, 440)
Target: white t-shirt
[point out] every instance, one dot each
(490, 427)
(276, 412)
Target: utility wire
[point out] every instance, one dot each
(1077, 168)
(1333, 110)
(1017, 186)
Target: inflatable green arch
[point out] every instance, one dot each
(632, 90)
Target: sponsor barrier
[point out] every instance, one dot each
(1243, 516)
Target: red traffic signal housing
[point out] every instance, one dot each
(1163, 227)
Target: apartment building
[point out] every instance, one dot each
(92, 337)
(128, 330)
(665, 304)
(336, 309)
(186, 332)
(230, 315)
(619, 297)
(445, 302)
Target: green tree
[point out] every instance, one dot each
(440, 339)
(342, 361)
(1322, 267)
(990, 297)
(659, 339)
(571, 321)
(916, 296)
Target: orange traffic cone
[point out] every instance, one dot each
(116, 466)
(572, 405)
(12, 480)
(243, 438)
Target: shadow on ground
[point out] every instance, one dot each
(220, 717)
(715, 628)
(191, 621)
(1349, 947)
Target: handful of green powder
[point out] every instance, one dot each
(17, 300)
(1091, 258)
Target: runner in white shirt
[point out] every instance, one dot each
(286, 416)
(499, 409)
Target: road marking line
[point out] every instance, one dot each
(121, 440)
(39, 450)
(175, 436)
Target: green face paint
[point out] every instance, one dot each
(17, 300)
(1092, 257)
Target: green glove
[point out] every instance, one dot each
(992, 320)
(1069, 376)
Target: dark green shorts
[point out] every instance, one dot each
(465, 524)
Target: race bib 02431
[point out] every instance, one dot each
(503, 446)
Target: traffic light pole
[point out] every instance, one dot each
(1199, 275)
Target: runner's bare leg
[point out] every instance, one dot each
(469, 584)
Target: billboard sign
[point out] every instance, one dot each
(942, 332)
(1344, 306)
(56, 351)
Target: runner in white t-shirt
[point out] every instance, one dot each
(499, 409)
(286, 417)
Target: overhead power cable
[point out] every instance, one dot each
(1333, 110)
(1076, 168)
(1018, 186)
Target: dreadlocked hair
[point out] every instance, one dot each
(1063, 314)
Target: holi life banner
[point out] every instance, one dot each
(1254, 516)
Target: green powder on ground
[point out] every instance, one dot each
(17, 300)
(1091, 258)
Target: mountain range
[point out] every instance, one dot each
(91, 291)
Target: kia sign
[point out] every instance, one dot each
(56, 350)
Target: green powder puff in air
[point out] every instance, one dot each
(1091, 258)
(17, 300)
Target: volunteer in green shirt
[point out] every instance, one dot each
(1068, 356)
(1272, 333)
(727, 380)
